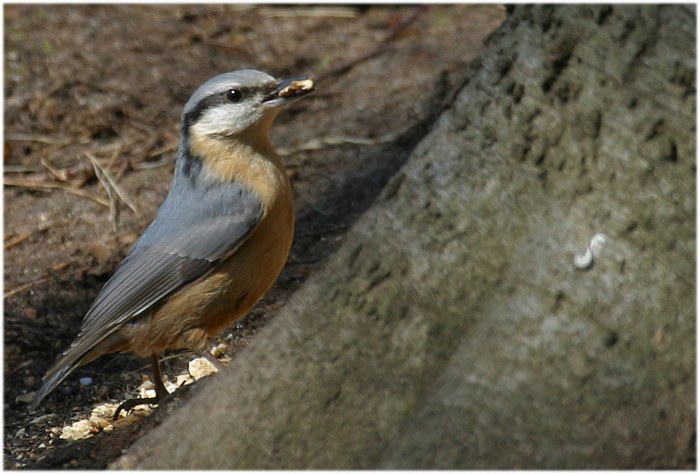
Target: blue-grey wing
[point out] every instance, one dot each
(199, 224)
(193, 231)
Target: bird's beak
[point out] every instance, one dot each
(286, 91)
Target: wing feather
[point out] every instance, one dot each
(196, 227)
(186, 240)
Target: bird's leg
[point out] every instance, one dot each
(161, 391)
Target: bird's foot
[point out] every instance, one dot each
(131, 403)
(161, 391)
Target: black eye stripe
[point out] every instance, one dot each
(216, 99)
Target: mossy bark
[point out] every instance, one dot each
(452, 329)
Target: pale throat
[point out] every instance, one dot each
(248, 159)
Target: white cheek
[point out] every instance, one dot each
(222, 120)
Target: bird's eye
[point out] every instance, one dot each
(234, 95)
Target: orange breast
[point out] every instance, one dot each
(226, 294)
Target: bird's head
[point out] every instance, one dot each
(238, 103)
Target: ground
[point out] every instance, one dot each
(93, 95)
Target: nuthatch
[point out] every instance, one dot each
(217, 243)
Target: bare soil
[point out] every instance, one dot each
(109, 82)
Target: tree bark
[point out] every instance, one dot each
(453, 329)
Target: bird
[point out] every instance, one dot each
(217, 243)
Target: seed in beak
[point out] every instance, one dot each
(296, 87)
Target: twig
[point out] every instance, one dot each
(117, 145)
(61, 175)
(11, 242)
(381, 47)
(54, 143)
(113, 208)
(25, 286)
(147, 165)
(34, 137)
(110, 185)
(320, 143)
(313, 12)
(18, 237)
(78, 173)
(164, 149)
(38, 186)
(122, 165)
(18, 169)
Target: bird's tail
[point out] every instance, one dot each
(68, 362)
(82, 351)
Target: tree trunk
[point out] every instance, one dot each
(453, 329)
